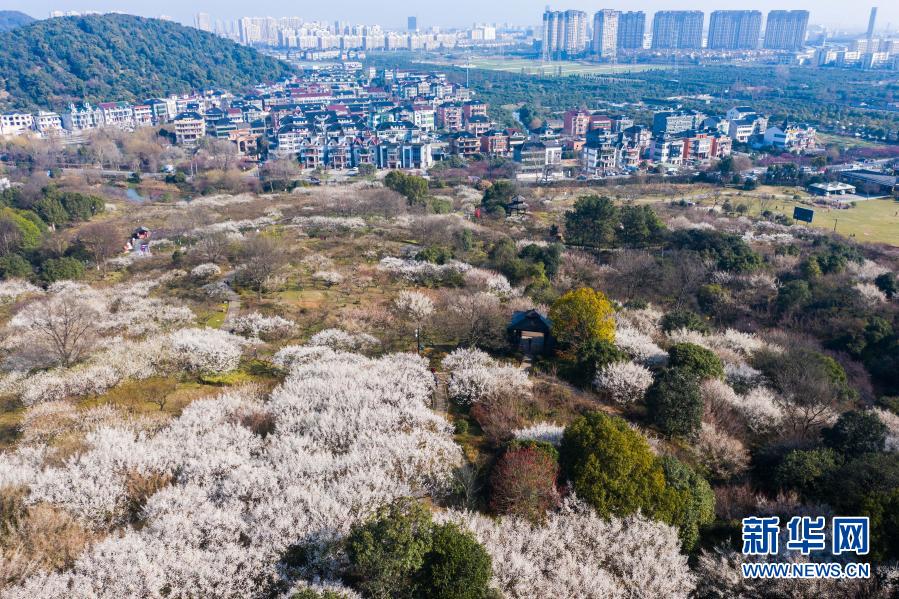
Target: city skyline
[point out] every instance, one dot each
(459, 14)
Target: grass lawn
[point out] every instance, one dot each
(848, 141)
(213, 319)
(875, 221)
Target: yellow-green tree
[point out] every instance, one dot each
(581, 317)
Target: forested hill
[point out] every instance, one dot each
(121, 57)
(10, 19)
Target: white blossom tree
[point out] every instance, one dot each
(575, 553)
(625, 382)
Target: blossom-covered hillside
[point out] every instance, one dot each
(325, 394)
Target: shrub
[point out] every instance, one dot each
(887, 283)
(388, 550)
(696, 361)
(674, 403)
(590, 357)
(684, 319)
(14, 266)
(523, 483)
(612, 468)
(855, 433)
(582, 317)
(696, 504)
(625, 382)
(205, 270)
(807, 470)
(456, 567)
(59, 269)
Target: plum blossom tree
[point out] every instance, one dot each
(339, 340)
(64, 324)
(625, 382)
(475, 377)
(328, 278)
(206, 350)
(415, 308)
(576, 553)
(349, 434)
(255, 324)
(205, 271)
(547, 432)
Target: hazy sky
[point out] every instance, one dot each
(390, 13)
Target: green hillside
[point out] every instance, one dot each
(10, 19)
(121, 57)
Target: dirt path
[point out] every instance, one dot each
(233, 300)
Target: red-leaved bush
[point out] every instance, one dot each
(523, 484)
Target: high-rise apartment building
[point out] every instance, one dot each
(203, 21)
(631, 29)
(412, 23)
(872, 21)
(785, 29)
(734, 29)
(605, 33)
(564, 33)
(677, 29)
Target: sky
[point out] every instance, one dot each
(455, 13)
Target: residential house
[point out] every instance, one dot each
(82, 118)
(495, 143)
(791, 137)
(539, 159)
(117, 114)
(15, 123)
(464, 143)
(190, 128)
(48, 123)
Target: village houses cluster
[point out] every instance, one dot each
(346, 116)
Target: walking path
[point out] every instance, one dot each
(439, 398)
(233, 299)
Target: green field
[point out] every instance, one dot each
(527, 66)
(875, 221)
(870, 220)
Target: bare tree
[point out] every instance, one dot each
(66, 324)
(263, 258)
(213, 247)
(636, 273)
(279, 173)
(10, 236)
(686, 271)
(101, 241)
(219, 153)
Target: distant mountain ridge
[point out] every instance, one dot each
(10, 19)
(110, 57)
